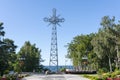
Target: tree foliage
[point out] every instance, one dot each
(31, 55)
(9, 60)
(79, 47)
(104, 42)
(103, 46)
(7, 52)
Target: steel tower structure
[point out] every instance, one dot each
(54, 20)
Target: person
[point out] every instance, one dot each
(4, 77)
(33, 70)
(46, 72)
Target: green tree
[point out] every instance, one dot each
(10, 49)
(80, 46)
(104, 43)
(103, 47)
(2, 33)
(31, 56)
(7, 49)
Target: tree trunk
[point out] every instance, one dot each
(110, 64)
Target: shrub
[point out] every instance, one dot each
(113, 75)
(105, 70)
(11, 77)
(0, 77)
(92, 77)
(96, 78)
(100, 72)
(117, 72)
(6, 71)
(106, 75)
(62, 69)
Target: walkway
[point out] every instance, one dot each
(55, 77)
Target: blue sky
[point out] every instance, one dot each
(23, 21)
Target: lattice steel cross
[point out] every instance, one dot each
(54, 20)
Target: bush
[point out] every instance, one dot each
(105, 70)
(106, 75)
(92, 77)
(88, 76)
(100, 72)
(97, 78)
(11, 77)
(0, 77)
(117, 72)
(113, 75)
(6, 71)
(62, 69)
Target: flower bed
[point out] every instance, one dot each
(105, 76)
(113, 79)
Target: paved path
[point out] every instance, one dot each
(55, 77)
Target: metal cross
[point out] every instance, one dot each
(55, 20)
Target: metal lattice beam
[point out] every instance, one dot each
(54, 20)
